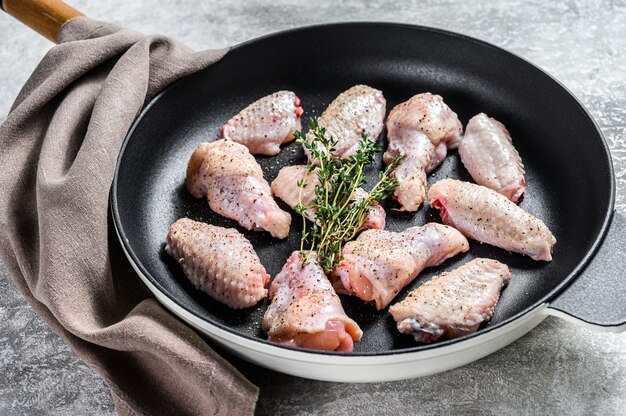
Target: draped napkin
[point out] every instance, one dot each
(58, 148)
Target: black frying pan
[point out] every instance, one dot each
(570, 177)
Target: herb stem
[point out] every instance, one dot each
(338, 215)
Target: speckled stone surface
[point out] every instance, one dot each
(557, 369)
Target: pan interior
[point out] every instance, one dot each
(567, 168)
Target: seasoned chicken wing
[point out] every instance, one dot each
(379, 263)
(358, 110)
(305, 310)
(421, 129)
(285, 186)
(227, 174)
(411, 172)
(485, 215)
(454, 303)
(219, 261)
(266, 123)
(488, 154)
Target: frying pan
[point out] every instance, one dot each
(571, 186)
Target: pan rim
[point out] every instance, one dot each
(583, 262)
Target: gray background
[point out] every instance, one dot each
(559, 368)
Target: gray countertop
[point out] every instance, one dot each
(558, 368)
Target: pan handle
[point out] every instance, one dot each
(44, 16)
(597, 298)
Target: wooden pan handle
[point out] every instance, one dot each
(44, 16)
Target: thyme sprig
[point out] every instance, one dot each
(338, 216)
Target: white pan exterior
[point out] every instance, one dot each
(366, 368)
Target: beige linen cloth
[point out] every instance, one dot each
(58, 149)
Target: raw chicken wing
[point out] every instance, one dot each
(379, 263)
(485, 215)
(219, 261)
(285, 186)
(266, 123)
(305, 310)
(421, 129)
(227, 174)
(488, 154)
(454, 303)
(360, 109)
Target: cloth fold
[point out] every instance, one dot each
(58, 149)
